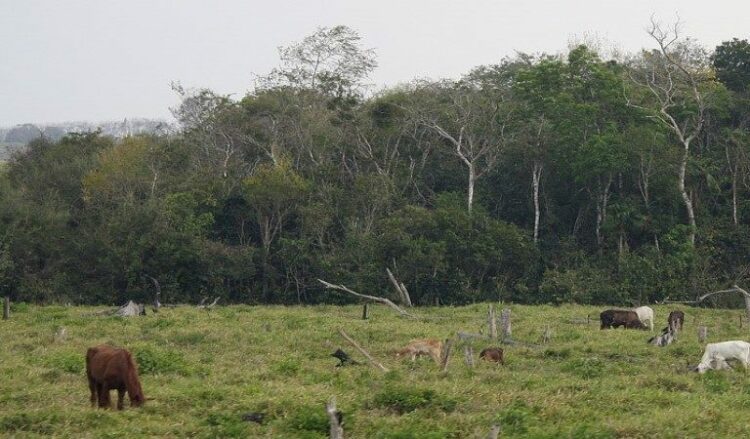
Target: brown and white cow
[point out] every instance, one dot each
(614, 318)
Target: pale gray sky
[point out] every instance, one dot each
(63, 60)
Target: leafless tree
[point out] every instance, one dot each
(674, 77)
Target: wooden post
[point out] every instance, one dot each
(334, 417)
(492, 322)
(447, 346)
(365, 312)
(469, 356)
(702, 333)
(505, 321)
(547, 335)
(6, 308)
(740, 321)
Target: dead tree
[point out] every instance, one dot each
(368, 297)
(673, 77)
(362, 351)
(401, 290)
(209, 306)
(734, 289)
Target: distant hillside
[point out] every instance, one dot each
(13, 138)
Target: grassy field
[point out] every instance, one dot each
(205, 369)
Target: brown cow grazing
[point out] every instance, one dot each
(676, 319)
(614, 318)
(492, 354)
(111, 368)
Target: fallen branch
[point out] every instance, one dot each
(368, 297)
(734, 289)
(131, 309)
(362, 351)
(209, 306)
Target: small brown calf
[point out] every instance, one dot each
(492, 354)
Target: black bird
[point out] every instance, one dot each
(344, 358)
(254, 417)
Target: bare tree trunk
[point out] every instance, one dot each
(685, 196)
(733, 170)
(472, 181)
(536, 174)
(601, 210)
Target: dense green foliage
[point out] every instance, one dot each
(204, 370)
(539, 179)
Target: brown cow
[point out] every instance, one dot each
(492, 354)
(110, 368)
(676, 319)
(614, 318)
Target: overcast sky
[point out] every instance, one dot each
(66, 60)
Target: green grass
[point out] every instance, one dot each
(205, 369)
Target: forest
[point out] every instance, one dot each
(544, 178)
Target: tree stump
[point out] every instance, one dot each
(469, 356)
(492, 322)
(702, 333)
(505, 322)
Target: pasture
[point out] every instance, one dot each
(205, 369)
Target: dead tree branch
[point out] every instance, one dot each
(382, 300)
(362, 351)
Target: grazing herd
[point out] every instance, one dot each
(109, 368)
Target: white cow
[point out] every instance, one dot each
(717, 354)
(646, 316)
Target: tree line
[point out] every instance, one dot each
(539, 179)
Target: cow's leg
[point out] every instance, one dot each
(120, 397)
(104, 400)
(92, 388)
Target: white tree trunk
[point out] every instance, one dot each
(472, 180)
(536, 174)
(685, 196)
